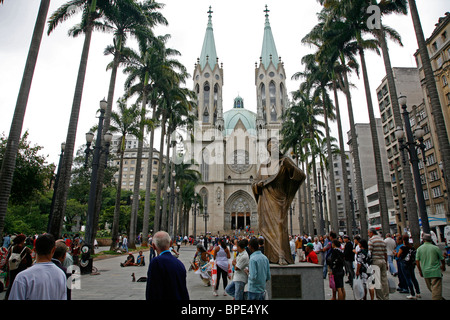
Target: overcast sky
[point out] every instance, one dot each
(238, 31)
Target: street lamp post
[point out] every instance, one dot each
(319, 194)
(172, 194)
(194, 212)
(205, 217)
(98, 149)
(291, 212)
(412, 146)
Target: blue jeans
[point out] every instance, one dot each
(236, 290)
(255, 296)
(392, 268)
(410, 277)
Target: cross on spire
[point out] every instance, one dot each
(267, 11)
(209, 12)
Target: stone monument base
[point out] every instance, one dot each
(300, 281)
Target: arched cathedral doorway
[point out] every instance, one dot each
(240, 212)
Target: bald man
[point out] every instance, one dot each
(166, 276)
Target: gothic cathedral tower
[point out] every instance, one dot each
(208, 82)
(225, 143)
(270, 81)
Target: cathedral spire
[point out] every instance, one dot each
(208, 54)
(269, 50)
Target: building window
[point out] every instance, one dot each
(428, 144)
(434, 175)
(426, 196)
(440, 208)
(206, 102)
(431, 159)
(204, 167)
(444, 81)
(272, 93)
(436, 191)
(434, 46)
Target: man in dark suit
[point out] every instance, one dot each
(166, 277)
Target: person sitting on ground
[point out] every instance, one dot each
(129, 261)
(140, 259)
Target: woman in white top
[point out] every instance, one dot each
(221, 256)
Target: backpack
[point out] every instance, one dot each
(410, 257)
(15, 259)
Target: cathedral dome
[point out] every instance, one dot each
(238, 113)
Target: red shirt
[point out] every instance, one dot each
(312, 257)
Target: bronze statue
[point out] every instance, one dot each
(274, 189)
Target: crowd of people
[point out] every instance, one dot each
(37, 267)
(367, 262)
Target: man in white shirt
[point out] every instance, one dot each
(236, 287)
(292, 245)
(317, 247)
(390, 247)
(44, 280)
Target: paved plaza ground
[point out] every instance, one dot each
(114, 282)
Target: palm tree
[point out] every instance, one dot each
(123, 18)
(15, 131)
(292, 130)
(178, 102)
(300, 136)
(430, 82)
(358, 24)
(124, 121)
(186, 179)
(335, 44)
(318, 78)
(90, 14)
(154, 71)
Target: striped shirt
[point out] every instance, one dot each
(377, 248)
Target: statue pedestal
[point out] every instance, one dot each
(300, 281)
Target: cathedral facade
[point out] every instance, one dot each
(229, 146)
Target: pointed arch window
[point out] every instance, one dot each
(206, 90)
(197, 90)
(272, 93)
(216, 98)
(204, 195)
(281, 95)
(273, 114)
(204, 166)
(263, 100)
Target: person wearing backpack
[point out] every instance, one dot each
(19, 258)
(407, 259)
(335, 261)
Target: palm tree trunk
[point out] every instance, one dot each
(382, 200)
(334, 213)
(356, 163)
(347, 205)
(306, 200)
(167, 174)
(309, 222)
(116, 218)
(149, 181)
(59, 210)
(106, 125)
(9, 158)
(438, 117)
(408, 185)
(157, 224)
(137, 175)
